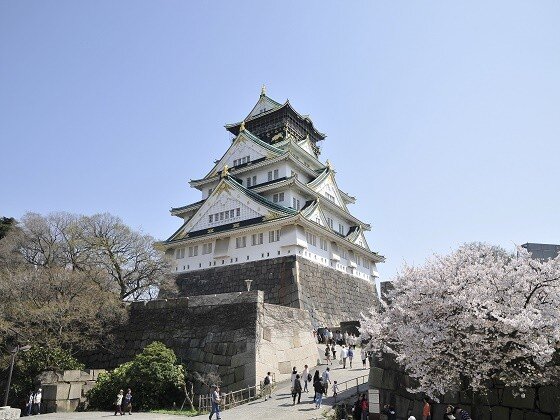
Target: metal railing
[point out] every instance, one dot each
(351, 383)
(234, 398)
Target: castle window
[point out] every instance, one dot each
(179, 253)
(295, 204)
(238, 211)
(257, 239)
(341, 229)
(323, 244)
(241, 242)
(330, 196)
(274, 235)
(193, 251)
(330, 222)
(311, 239)
(210, 218)
(207, 248)
(278, 197)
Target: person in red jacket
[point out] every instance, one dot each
(365, 407)
(426, 411)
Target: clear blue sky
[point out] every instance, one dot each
(443, 118)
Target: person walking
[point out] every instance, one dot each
(127, 402)
(215, 402)
(335, 389)
(333, 351)
(293, 378)
(344, 356)
(318, 387)
(306, 376)
(328, 354)
(326, 380)
(37, 401)
(118, 403)
(350, 355)
(267, 386)
(449, 413)
(365, 407)
(297, 390)
(363, 355)
(427, 410)
(316, 378)
(29, 405)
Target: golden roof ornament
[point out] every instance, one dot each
(242, 126)
(225, 171)
(263, 90)
(328, 164)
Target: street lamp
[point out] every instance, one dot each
(13, 352)
(248, 283)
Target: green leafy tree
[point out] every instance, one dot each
(154, 376)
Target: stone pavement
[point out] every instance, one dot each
(279, 407)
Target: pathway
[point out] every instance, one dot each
(279, 407)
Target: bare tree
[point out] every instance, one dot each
(123, 259)
(57, 307)
(128, 257)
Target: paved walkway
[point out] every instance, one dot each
(279, 407)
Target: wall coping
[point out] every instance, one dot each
(253, 296)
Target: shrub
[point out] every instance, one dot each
(154, 377)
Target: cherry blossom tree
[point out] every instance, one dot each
(474, 316)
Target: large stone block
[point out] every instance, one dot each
(9, 413)
(516, 414)
(376, 378)
(71, 375)
(67, 406)
(500, 413)
(511, 399)
(549, 399)
(58, 391)
(75, 390)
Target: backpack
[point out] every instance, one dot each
(266, 380)
(309, 377)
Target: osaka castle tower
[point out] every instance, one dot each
(272, 217)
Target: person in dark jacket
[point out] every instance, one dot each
(319, 390)
(296, 391)
(389, 411)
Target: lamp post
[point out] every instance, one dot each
(13, 352)
(248, 283)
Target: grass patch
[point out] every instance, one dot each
(187, 413)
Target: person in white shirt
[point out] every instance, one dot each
(344, 355)
(363, 355)
(37, 401)
(326, 379)
(305, 375)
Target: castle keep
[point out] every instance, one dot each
(271, 212)
(273, 218)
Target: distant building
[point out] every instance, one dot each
(542, 251)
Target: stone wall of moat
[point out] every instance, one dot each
(501, 403)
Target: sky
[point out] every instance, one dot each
(442, 118)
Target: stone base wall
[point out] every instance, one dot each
(65, 391)
(212, 333)
(9, 413)
(539, 403)
(330, 296)
(236, 335)
(285, 339)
